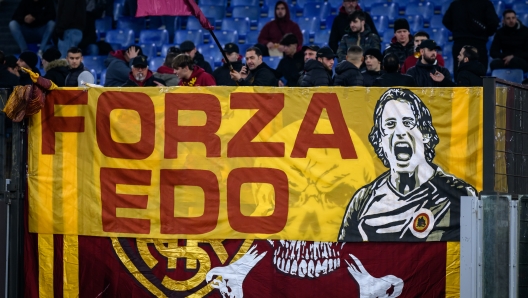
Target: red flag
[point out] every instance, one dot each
(172, 8)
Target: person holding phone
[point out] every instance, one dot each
(255, 72)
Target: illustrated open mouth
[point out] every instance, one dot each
(403, 151)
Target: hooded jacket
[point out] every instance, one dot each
(200, 61)
(56, 71)
(198, 78)
(369, 76)
(367, 40)
(400, 50)
(341, 26)
(117, 69)
(222, 74)
(289, 68)
(510, 41)
(347, 74)
(411, 61)
(470, 74)
(421, 74)
(315, 74)
(147, 82)
(167, 74)
(394, 79)
(274, 30)
(262, 75)
(43, 11)
(471, 19)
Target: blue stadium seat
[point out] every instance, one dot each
(251, 12)
(381, 23)
(121, 37)
(436, 21)
(94, 74)
(213, 2)
(321, 37)
(500, 6)
(243, 47)
(270, 9)
(445, 6)
(317, 9)
(116, 46)
(226, 36)
(520, 7)
(165, 49)
(272, 62)
(426, 10)
(448, 63)
(523, 18)
(194, 24)
(195, 36)
(367, 5)
(149, 49)
(512, 75)
(303, 3)
(391, 10)
(157, 37)
(261, 22)
(252, 37)
(94, 62)
(155, 62)
(439, 3)
(337, 3)
(102, 79)
(213, 52)
(440, 35)
(447, 50)
(103, 25)
(136, 24)
(416, 22)
(309, 24)
(329, 21)
(387, 36)
(244, 3)
(216, 12)
(118, 10)
(241, 25)
(307, 35)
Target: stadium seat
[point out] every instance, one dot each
(213, 2)
(226, 36)
(439, 3)
(194, 24)
(272, 62)
(94, 74)
(195, 36)
(243, 47)
(436, 21)
(309, 24)
(252, 37)
(165, 49)
(416, 22)
(387, 36)
(317, 9)
(330, 20)
(390, 10)
(118, 10)
(157, 37)
(523, 18)
(212, 51)
(520, 7)
(500, 6)
(116, 46)
(251, 12)
(240, 25)
(149, 49)
(447, 50)
(321, 37)
(244, 3)
(103, 25)
(119, 36)
(136, 24)
(448, 64)
(94, 62)
(155, 62)
(426, 10)
(440, 35)
(367, 5)
(445, 6)
(381, 23)
(102, 79)
(270, 9)
(214, 11)
(303, 3)
(512, 75)
(337, 3)
(307, 35)
(261, 22)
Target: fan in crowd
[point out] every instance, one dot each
(166, 72)
(8, 78)
(411, 60)
(347, 71)
(291, 63)
(402, 44)
(78, 76)
(221, 74)
(140, 75)
(118, 65)
(360, 34)
(27, 60)
(191, 74)
(372, 60)
(392, 76)
(318, 72)
(56, 68)
(274, 30)
(255, 72)
(188, 47)
(426, 72)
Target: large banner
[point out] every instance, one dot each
(325, 164)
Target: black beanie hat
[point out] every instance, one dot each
(374, 52)
(401, 24)
(30, 58)
(51, 54)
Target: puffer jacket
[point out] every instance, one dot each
(510, 41)
(341, 26)
(56, 71)
(368, 40)
(422, 75)
(315, 74)
(470, 74)
(347, 74)
(401, 51)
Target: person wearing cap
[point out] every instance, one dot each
(27, 60)
(347, 71)
(191, 74)
(273, 31)
(140, 75)
(426, 72)
(341, 24)
(402, 44)
(360, 34)
(222, 73)
(318, 72)
(373, 60)
(470, 71)
(255, 72)
(309, 52)
(118, 64)
(411, 60)
(55, 67)
(292, 62)
(392, 76)
(78, 75)
(33, 21)
(188, 47)
(165, 72)
(7, 78)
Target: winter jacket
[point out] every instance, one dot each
(56, 71)
(411, 61)
(222, 74)
(25, 79)
(289, 68)
(198, 78)
(473, 19)
(7, 79)
(341, 26)
(274, 30)
(421, 74)
(510, 41)
(147, 82)
(72, 79)
(315, 74)
(394, 79)
(368, 40)
(401, 51)
(43, 11)
(347, 74)
(262, 75)
(369, 77)
(470, 74)
(200, 61)
(167, 74)
(71, 15)
(117, 69)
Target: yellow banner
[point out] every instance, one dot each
(323, 164)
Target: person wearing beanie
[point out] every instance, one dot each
(341, 24)
(221, 74)
(272, 33)
(402, 44)
(166, 72)
(347, 71)
(27, 60)
(191, 74)
(141, 76)
(188, 47)
(318, 72)
(7, 78)
(78, 75)
(411, 60)
(360, 34)
(426, 72)
(373, 60)
(56, 68)
(292, 62)
(118, 65)
(33, 22)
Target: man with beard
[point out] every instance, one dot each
(347, 71)
(274, 30)
(411, 60)
(255, 72)
(78, 76)
(341, 24)
(221, 74)
(360, 34)
(402, 44)
(318, 72)
(510, 44)
(292, 62)
(188, 47)
(470, 71)
(309, 52)
(415, 200)
(373, 60)
(191, 74)
(426, 72)
(118, 65)
(141, 76)
(392, 76)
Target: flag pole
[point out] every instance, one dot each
(221, 50)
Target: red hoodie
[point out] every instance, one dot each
(165, 69)
(198, 78)
(274, 30)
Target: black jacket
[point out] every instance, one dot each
(222, 74)
(401, 51)
(315, 74)
(289, 68)
(56, 71)
(25, 79)
(347, 74)
(341, 26)
(7, 79)
(393, 80)
(200, 61)
(473, 19)
(73, 75)
(43, 11)
(71, 15)
(510, 41)
(262, 75)
(370, 76)
(421, 74)
(470, 74)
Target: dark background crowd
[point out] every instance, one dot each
(267, 43)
